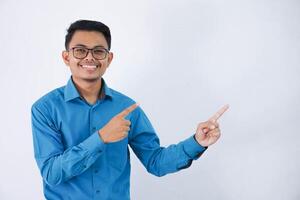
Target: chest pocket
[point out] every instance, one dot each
(117, 154)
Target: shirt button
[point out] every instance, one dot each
(97, 191)
(96, 171)
(94, 129)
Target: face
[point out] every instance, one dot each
(87, 69)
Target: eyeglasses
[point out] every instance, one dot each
(99, 53)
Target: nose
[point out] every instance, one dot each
(89, 55)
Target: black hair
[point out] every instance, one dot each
(88, 25)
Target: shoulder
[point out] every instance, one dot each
(51, 98)
(122, 98)
(123, 101)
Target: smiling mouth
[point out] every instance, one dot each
(90, 67)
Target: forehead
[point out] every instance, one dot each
(89, 39)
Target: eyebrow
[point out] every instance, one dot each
(82, 45)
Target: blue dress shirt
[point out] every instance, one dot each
(77, 165)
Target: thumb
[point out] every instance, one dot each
(203, 128)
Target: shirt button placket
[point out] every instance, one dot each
(96, 181)
(93, 129)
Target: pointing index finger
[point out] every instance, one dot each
(128, 110)
(218, 114)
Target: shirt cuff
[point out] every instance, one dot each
(94, 143)
(192, 148)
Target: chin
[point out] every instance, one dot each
(91, 79)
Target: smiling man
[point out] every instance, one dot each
(82, 131)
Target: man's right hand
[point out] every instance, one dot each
(117, 128)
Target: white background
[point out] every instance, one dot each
(181, 60)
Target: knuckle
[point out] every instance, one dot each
(125, 128)
(117, 117)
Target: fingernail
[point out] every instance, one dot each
(212, 127)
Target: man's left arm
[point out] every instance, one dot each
(163, 160)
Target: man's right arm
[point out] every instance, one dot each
(56, 164)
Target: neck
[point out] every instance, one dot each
(89, 90)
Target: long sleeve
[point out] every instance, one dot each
(57, 164)
(160, 160)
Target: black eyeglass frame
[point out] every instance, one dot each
(90, 50)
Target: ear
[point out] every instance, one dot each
(110, 58)
(65, 57)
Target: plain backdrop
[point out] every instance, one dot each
(181, 60)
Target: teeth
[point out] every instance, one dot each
(89, 66)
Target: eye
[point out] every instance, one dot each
(99, 51)
(80, 50)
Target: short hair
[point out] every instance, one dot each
(88, 25)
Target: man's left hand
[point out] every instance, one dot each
(209, 132)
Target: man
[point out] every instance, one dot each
(81, 131)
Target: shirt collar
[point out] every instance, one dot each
(71, 91)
